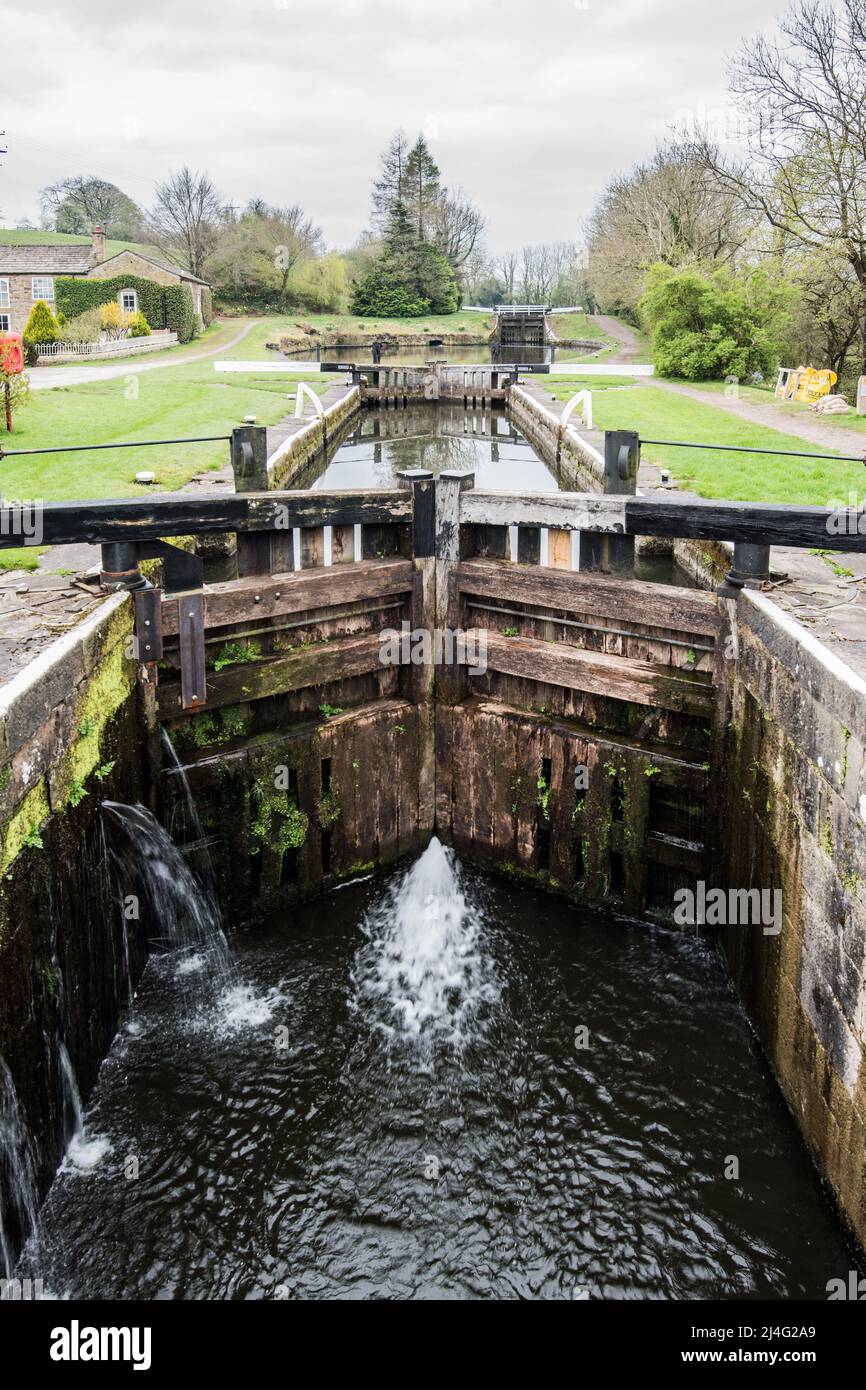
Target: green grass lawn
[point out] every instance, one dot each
(659, 414)
(175, 402)
(10, 237)
(274, 327)
(576, 326)
(564, 390)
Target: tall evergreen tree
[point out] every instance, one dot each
(423, 189)
(411, 278)
(390, 187)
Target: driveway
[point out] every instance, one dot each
(44, 378)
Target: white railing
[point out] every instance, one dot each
(584, 399)
(118, 347)
(304, 393)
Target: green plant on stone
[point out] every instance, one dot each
(329, 809)
(510, 631)
(236, 654)
(330, 711)
(77, 793)
(543, 788)
(279, 822)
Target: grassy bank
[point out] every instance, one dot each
(659, 414)
(174, 402)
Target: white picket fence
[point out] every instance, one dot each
(119, 347)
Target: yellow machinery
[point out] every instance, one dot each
(804, 383)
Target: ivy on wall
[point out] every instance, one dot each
(73, 295)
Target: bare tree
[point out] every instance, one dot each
(458, 228)
(804, 98)
(186, 216)
(669, 209)
(506, 268)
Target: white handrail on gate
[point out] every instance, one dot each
(303, 391)
(583, 398)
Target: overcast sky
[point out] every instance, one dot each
(530, 105)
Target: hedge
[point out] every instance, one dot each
(206, 306)
(74, 294)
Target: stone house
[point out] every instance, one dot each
(27, 275)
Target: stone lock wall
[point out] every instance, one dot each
(796, 807)
(70, 737)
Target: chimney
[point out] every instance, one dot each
(97, 246)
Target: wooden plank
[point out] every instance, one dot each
(665, 606)
(559, 549)
(597, 673)
(184, 514)
(312, 548)
(254, 553)
(762, 523)
(343, 545)
(299, 670)
(574, 511)
(529, 545)
(237, 601)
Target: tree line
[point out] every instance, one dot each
(737, 261)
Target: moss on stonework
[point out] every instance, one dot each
(103, 693)
(329, 810)
(213, 729)
(355, 870)
(24, 825)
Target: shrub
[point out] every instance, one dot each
(41, 326)
(139, 326)
(206, 306)
(376, 294)
(76, 294)
(31, 352)
(711, 325)
(84, 328)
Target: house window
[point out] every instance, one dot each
(129, 301)
(4, 294)
(4, 323)
(43, 287)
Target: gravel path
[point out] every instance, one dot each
(775, 417)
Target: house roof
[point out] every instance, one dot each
(58, 259)
(158, 261)
(45, 260)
